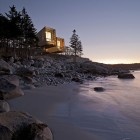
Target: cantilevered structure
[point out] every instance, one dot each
(49, 42)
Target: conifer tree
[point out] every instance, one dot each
(4, 33)
(3, 26)
(28, 30)
(14, 18)
(76, 45)
(15, 32)
(80, 48)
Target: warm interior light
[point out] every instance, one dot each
(48, 36)
(58, 44)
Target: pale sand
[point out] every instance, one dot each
(51, 104)
(73, 114)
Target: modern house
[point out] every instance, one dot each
(49, 42)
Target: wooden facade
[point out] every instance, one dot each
(49, 42)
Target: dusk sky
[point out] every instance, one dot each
(109, 29)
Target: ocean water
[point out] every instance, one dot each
(110, 115)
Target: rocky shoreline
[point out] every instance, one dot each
(54, 69)
(19, 75)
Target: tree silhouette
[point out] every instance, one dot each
(76, 45)
(28, 31)
(17, 32)
(4, 33)
(14, 18)
(79, 48)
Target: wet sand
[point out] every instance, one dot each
(76, 112)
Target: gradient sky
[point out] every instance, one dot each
(109, 29)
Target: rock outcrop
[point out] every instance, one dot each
(4, 106)
(21, 126)
(5, 133)
(54, 69)
(126, 76)
(13, 79)
(99, 89)
(9, 90)
(22, 71)
(5, 68)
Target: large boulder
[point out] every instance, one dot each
(77, 79)
(22, 71)
(39, 63)
(5, 133)
(126, 76)
(13, 79)
(28, 80)
(99, 89)
(8, 90)
(11, 59)
(59, 75)
(4, 106)
(24, 127)
(5, 68)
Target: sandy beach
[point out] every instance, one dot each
(73, 114)
(54, 106)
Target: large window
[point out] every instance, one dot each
(48, 36)
(58, 43)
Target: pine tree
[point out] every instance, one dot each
(3, 26)
(4, 32)
(15, 32)
(79, 48)
(28, 30)
(76, 45)
(14, 18)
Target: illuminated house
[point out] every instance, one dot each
(49, 42)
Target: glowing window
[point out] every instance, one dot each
(58, 43)
(48, 36)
